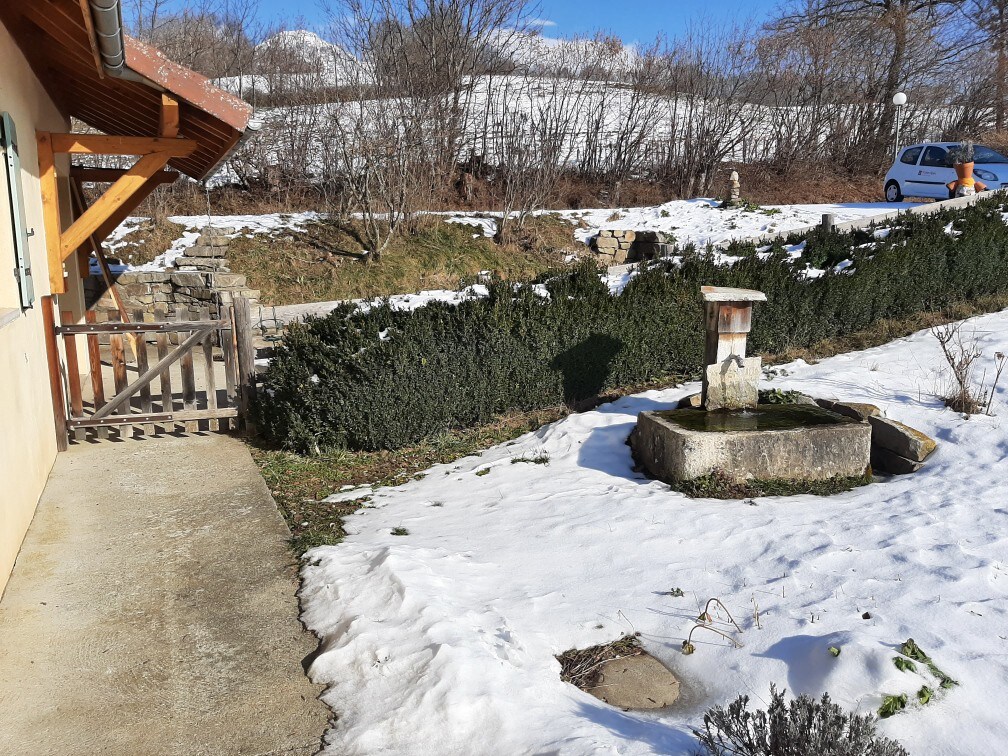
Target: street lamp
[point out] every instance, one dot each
(899, 100)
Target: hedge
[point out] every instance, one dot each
(384, 379)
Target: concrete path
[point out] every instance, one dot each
(152, 610)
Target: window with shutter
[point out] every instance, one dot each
(12, 166)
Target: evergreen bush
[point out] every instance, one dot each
(384, 379)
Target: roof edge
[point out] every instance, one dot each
(152, 64)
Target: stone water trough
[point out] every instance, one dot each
(731, 433)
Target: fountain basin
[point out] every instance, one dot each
(771, 442)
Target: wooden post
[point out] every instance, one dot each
(246, 362)
(55, 381)
(50, 211)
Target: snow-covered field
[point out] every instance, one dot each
(442, 641)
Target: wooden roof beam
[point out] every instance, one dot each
(111, 175)
(100, 144)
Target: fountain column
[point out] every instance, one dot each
(730, 379)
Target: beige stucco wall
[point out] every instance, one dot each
(27, 438)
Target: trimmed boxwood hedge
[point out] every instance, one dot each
(335, 383)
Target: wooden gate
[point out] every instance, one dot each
(203, 367)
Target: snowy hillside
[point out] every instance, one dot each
(443, 640)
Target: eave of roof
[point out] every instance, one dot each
(57, 38)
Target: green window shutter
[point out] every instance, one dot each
(12, 164)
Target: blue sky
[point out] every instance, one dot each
(632, 20)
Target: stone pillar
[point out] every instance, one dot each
(730, 379)
(733, 190)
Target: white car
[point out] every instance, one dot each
(923, 170)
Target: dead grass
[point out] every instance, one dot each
(580, 666)
(325, 262)
(151, 239)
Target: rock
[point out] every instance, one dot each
(606, 242)
(185, 280)
(636, 682)
(884, 460)
(853, 410)
(226, 280)
(693, 401)
(203, 250)
(732, 387)
(901, 439)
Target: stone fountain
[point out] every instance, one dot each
(731, 433)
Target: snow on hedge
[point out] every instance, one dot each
(443, 640)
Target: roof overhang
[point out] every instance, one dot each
(66, 42)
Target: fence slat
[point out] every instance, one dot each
(167, 400)
(119, 368)
(142, 363)
(211, 379)
(188, 379)
(72, 368)
(228, 348)
(94, 358)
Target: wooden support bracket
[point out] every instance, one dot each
(115, 197)
(129, 188)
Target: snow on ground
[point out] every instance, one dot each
(698, 221)
(442, 641)
(701, 222)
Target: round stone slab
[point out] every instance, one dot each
(636, 682)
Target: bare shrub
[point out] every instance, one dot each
(802, 726)
(964, 393)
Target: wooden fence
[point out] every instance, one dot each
(203, 368)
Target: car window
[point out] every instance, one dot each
(983, 154)
(935, 157)
(910, 156)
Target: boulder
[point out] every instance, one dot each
(853, 410)
(884, 460)
(636, 682)
(901, 439)
(693, 401)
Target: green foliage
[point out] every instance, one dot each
(400, 531)
(334, 383)
(776, 396)
(717, 485)
(915, 652)
(924, 694)
(834, 651)
(892, 704)
(904, 665)
(801, 726)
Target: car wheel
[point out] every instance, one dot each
(892, 192)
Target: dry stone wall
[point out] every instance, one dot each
(201, 279)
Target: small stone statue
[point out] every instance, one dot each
(732, 197)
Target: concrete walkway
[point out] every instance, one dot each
(152, 610)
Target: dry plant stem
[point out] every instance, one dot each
(1000, 359)
(689, 638)
(706, 612)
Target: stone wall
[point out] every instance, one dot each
(619, 246)
(201, 279)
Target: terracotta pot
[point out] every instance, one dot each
(963, 170)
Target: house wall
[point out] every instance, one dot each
(27, 438)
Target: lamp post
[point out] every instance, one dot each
(899, 100)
